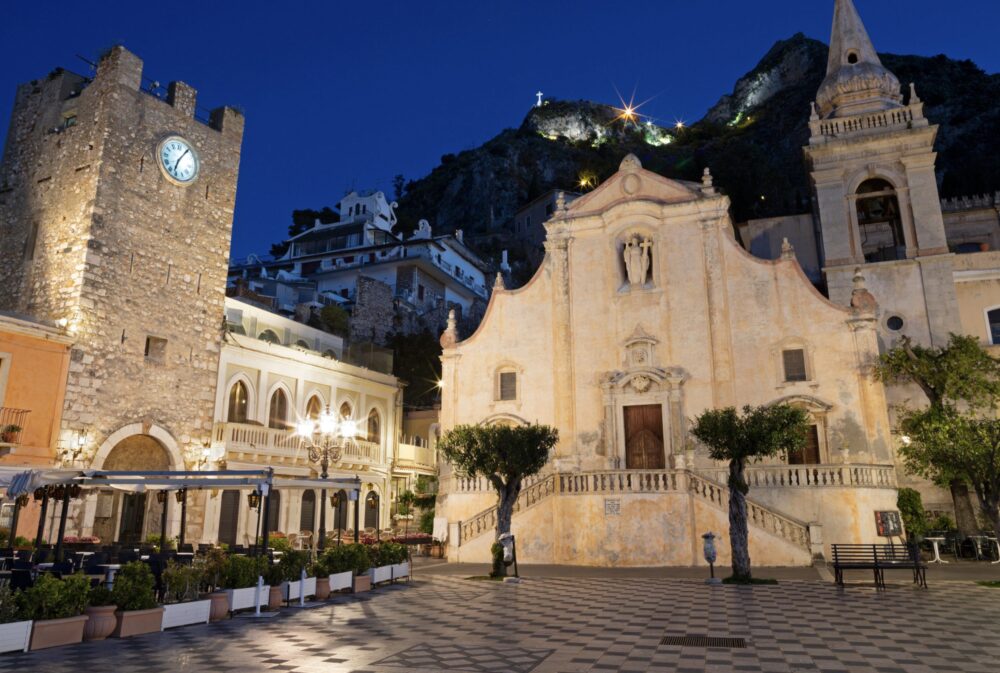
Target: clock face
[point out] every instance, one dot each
(179, 159)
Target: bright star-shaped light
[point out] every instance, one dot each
(628, 112)
(679, 125)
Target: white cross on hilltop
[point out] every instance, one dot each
(539, 103)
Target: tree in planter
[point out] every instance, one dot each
(133, 588)
(404, 507)
(504, 454)
(947, 445)
(740, 439)
(911, 511)
(962, 375)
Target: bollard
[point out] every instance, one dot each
(256, 594)
(302, 589)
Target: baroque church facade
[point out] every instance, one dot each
(647, 311)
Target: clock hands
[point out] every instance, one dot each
(179, 159)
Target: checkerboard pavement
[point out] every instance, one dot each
(553, 625)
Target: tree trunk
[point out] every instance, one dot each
(505, 506)
(738, 532)
(965, 516)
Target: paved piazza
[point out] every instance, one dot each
(447, 624)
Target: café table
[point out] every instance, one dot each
(937, 552)
(109, 573)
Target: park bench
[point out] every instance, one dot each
(878, 558)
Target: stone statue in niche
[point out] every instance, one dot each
(637, 260)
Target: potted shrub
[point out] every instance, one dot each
(239, 581)
(56, 607)
(100, 613)
(214, 565)
(293, 586)
(338, 563)
(8, 435)
(137, 612)
(15, 632)
(181, 596)
(388, 561)
(322, 575)
(275, 577)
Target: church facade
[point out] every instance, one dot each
(647, 311)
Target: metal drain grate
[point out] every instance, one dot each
(703, 641)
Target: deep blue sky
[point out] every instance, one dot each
(349, 94)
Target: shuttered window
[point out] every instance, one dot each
(795, 365)
(508, 385)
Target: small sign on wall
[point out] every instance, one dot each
(612, 507)
(888, 524)
(105, 505)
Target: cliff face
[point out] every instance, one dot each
(751, 139)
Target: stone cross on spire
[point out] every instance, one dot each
(539, 103)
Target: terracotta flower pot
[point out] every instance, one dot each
(322, 588)
(101, 622)
(220, 606)
(274, 598)
(55, 632)
(362, 583)
(138, 622)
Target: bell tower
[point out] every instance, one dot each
(871, 156)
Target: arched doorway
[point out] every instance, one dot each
(371, 510)
(879, 222)
(229, 517)
(273, 512)
(130, 517)
(307, 519)
(340, 516)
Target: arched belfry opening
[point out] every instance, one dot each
(130, 517)
(880, 224)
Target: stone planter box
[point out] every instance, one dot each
(341, 581)
(244, 599)
(138, 622)
(361, 583)
(400, 570)
(101, 622)
(291, 591)
(380, 574)
(55, 632)
(15, 636)
(182, 614)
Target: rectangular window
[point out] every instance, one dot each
(156, 350)
(30, 242)
(420, 292)
(795, 365)
(508, 385)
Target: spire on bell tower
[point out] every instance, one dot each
(856, 81)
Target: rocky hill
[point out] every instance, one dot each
(751, 139)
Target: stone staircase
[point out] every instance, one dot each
(619, 482)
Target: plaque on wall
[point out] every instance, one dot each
(105, 505)
(888, 524)
(612, 507)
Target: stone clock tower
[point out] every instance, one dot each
(116, 210)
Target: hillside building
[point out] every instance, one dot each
(388, 283)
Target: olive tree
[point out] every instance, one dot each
(504, 454)
(740, 439)
(961, 376)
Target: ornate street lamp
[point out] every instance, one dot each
(325, 440)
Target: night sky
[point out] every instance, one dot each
(340, 95)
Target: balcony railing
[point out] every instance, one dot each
(416, 456)
(12, 422)
(811, 476)
(276, 442)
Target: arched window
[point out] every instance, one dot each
(340, 516)
(371, 510)
(238, 403)
(314, 407)
(269, 336)
(345, 411)
(277, 414)
(307, 518)
(879, 222)
(374, 427)
(302, 344)
(229, 517)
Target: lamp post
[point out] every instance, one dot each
(325, 440)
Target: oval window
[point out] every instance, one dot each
(895, 323)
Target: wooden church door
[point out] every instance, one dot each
(644, 438)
